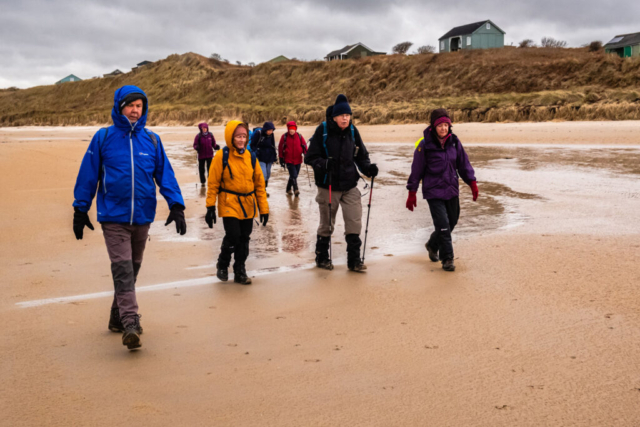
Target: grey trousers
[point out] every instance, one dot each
(125, 244)
(351, 204)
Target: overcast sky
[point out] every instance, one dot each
(42, 41)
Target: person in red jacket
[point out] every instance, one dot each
(291, 150)
(205, 144)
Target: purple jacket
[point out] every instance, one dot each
(205, 144)
(438, 168)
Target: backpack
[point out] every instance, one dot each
(251, 133)
(225, 164)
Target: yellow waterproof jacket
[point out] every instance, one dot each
(245, 190)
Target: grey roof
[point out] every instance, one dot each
(348, 47)
(627, 40)
(339, 51)
(464, 30)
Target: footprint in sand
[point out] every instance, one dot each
(312, 360)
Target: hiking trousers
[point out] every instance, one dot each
(125, 245)
(202, 163)
(351, 204)
(294, 171)
(235, 242)
(445, 215)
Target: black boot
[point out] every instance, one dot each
(115, 324)
(322, 253)
(295, 190)
(447, 265)
(240, 276)
(289, 188)
(354, 262)
(266, 184)
(131, 335)
(224, 259)
(223, 272)
(433, 253)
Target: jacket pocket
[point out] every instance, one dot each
(104, 179)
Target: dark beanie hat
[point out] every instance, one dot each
(268, 126)
(440, 115)
(341, 106)
(134, 97)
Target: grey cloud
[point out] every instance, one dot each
(43, 41)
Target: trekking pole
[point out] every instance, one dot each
(368, 212)
(308, 176)
(330, 223)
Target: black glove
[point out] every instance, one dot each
(282, 162)
(177, 215)
(373, 170)
(264, 218)
(329, 165)
(80, 219)
(210, 217)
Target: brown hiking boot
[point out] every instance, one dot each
(433, 254)
(447, 265)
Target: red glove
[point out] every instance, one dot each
(474, 190)
(411, 200)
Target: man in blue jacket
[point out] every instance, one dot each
(123, 164)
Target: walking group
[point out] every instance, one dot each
(125, 162)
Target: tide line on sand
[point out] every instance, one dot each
(170, 285)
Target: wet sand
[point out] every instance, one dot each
(538, 325)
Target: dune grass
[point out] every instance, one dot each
(477, 86)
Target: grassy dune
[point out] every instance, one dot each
(478, 86)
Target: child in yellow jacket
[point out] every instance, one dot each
(236, 181)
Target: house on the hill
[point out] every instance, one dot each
(277, 59)
(624, 45)
(142, 64)
(69, 78)
(352, 51)
(479, 35)
(114, 73)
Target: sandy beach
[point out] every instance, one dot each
(539, 325)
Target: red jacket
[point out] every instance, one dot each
(292, 149)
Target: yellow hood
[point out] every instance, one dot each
(229, 130)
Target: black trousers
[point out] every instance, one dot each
(235, 242)
(294, 171)
(445, 215)
(201, 163)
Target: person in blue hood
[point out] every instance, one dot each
(123, 165)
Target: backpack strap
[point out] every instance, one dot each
(153, 138)
(225, 163)
(102, 137)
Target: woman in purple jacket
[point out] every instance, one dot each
(205, 144)
(437, 161)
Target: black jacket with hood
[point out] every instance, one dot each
(345, 152)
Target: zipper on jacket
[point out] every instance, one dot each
(133, 177)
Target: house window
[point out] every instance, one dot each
(468, 41)
(488, 26)
(70, 79)
(442, 45)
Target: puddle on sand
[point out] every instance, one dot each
(506, 200)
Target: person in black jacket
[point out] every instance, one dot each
(263, 143)
(335, 150)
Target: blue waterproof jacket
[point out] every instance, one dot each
(124, 168)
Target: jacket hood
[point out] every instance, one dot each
(292, 124)
(229, 130)
(268, 126)
(120, 120)
(203, 125)
(430, 135)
